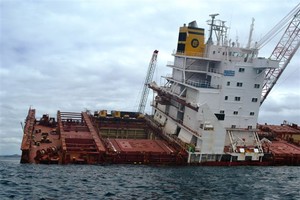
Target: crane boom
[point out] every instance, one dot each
(283, 52)
(148, 79)
(277, 28)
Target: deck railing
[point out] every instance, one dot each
(202, 84)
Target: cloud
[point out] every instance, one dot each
(281, 105)
(76, 55)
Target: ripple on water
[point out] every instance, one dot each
(147, 182)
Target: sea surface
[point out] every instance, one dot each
(30, 181)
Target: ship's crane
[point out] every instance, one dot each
(148, 80)
(284, 50)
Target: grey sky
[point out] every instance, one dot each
(74, 55)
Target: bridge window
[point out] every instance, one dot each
(254, 99)
(239, 84)
(241, 69)
(237, 98)
(256, 85)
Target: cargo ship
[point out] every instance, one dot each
(205, 114)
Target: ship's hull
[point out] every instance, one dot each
(81, 138)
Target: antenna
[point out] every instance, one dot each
(22, 126)
(209, 41)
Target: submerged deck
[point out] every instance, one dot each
(140, 151)
(82, 138)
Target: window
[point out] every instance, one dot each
(241, 69)
(233, 126)
(214, 52)
(254, 99)
(239, 84)
(226, 97)
(237, 98)
(228, 83)
(256, 85)
(220, 116)
(251, 113)
(222, 111)
(235, 112)
(249, 127)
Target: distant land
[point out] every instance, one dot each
(13, 155)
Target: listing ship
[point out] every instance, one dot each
(205, 113)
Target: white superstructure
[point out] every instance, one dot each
(211, 101)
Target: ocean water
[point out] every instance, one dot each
(30, 181)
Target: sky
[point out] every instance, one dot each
(76, 55)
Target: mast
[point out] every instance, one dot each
(209, 41)
(250, 34)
